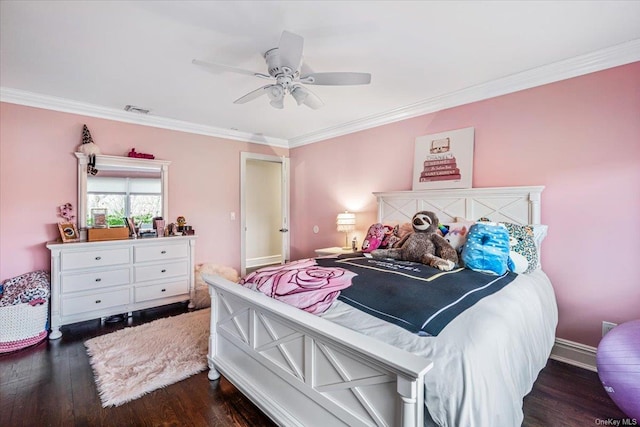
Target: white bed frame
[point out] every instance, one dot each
(302, 370)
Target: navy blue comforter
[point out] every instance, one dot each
(417, 297)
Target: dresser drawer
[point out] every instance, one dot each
(94, 279)
(160, 252)
(161, 271)
(94, 302)
(94, 258)
(146, 293)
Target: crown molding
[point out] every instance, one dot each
(621, 54)
(30, 99)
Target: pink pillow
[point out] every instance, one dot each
(374, 237)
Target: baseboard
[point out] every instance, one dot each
(576, 354)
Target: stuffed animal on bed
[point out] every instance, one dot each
(424, 245)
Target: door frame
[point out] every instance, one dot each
(285, 223)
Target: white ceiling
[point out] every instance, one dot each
(95, 57)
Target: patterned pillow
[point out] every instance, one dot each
(374, 237)
(523, 243)
(30, 287)
(390, 237)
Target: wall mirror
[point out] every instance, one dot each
(125, 187)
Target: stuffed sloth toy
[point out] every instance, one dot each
(424, 245)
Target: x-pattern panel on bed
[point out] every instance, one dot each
(302, 374)
(520, 205)
(352, 384)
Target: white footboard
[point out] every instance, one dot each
(302, 370)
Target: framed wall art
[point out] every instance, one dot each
(68, 231)
(444, 160)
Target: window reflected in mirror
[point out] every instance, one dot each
(124, 187)
(138, 196)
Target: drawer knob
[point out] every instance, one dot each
(98, 279)
(163, 290)
(98, 301)
(163, 271)
(163, 252)
(98, 258)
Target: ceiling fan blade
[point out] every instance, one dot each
(253, 95)
(223, 67)
(290, 49)
(336, 79)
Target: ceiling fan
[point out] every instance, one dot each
(284, 64)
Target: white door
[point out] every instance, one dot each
(264, 210)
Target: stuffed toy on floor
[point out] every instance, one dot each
(202, 298)
(424, 245)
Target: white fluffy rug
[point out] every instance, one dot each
(134, 361)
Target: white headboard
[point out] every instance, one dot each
(520, 205)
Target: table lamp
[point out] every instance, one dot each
(346, 222)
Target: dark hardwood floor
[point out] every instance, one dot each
(51, 384)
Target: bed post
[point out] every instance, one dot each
(380, 207)
(534, 204)
(213, 372)
(407, 389)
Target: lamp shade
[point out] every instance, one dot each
(346, 221)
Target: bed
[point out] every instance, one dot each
(346, 367)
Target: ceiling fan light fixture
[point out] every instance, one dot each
(276, 95)
(300, 94)
(277, 103)
(275, 92)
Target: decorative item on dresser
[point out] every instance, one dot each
(68, 231)
(111, 233)
(98, 279)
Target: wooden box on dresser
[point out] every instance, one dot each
(90, 280)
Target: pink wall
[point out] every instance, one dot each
(38, 173)
(579, 137)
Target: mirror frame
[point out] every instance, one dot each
(126, 163)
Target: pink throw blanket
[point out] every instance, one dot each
(303, 284)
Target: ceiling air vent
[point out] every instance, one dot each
(135, 109)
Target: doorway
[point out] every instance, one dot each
(264, 210)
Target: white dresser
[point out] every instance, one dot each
(97, 279)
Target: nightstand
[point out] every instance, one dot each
(333, 251)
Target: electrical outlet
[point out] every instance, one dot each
(607, 326)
